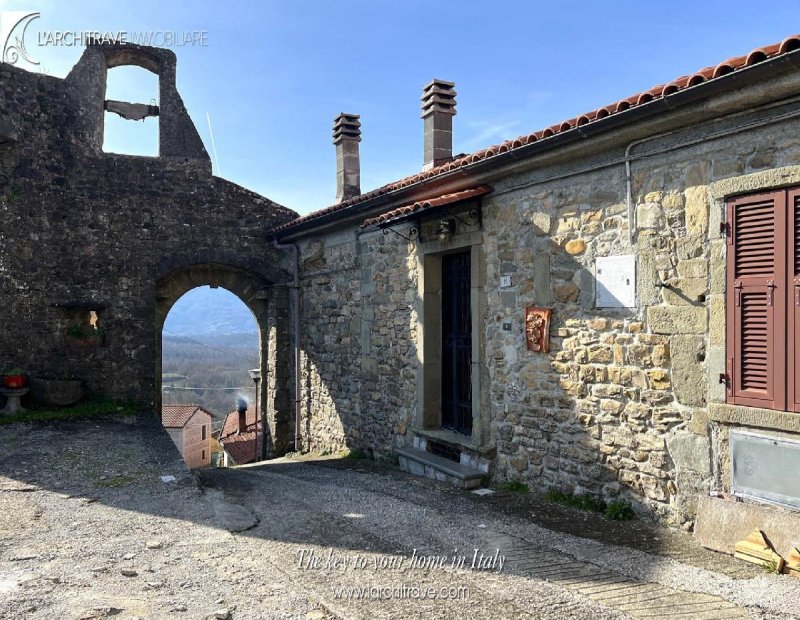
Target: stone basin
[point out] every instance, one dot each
(59, 392)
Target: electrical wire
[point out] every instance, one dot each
(202, 344)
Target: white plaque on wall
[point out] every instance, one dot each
(616, 281)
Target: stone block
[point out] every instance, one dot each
(660, 355)
(659, 379)
(677, 319)
(566, 292)
(575, 246)
(647, 291)
(697, 174)
(715, 362)
(672, 201)
(690, 451)
(716, 328)
(696, 210)
(541, 279)
(698, 423)
(721, 523)
(717, 267)
(693, 268)
(541, 223)
(684, 291)
(689, 374)
(649, 215)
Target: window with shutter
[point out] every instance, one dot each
(793, 299)
(756, 321)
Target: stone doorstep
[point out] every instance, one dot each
(422, 463)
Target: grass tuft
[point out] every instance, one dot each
(357, 454)
(619, 510)
(581, 502)
(514, 486)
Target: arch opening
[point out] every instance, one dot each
(224, 322)
(131, 123)
(210, 345)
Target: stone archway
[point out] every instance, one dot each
(269, 305)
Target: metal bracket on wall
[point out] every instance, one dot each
(413, 233)
(473, 218)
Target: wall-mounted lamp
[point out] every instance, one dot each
(446, 228)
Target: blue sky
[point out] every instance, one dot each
(275, 74)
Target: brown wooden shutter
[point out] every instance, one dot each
(756, 303)
(793, 301)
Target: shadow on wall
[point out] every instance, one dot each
(589, 417)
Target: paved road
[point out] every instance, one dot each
(89, 530)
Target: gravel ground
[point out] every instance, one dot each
(90, 530)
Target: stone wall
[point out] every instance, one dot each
(619, 406)
(358, 316)
(82, 230)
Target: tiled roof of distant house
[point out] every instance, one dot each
(243, 447)
(176, 416)
(697, 79)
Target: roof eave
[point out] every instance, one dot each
(693, 94)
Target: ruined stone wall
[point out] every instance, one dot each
(619, 407)
(83, 230)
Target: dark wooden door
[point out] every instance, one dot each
(456, 343)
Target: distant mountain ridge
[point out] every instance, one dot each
(208, 312)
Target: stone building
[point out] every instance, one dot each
(614, 232)
(603, 306)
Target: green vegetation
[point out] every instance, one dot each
(581, 502)
(514, 486)
(619, 510)
(95, 405)
(85, 331)
(357, 454)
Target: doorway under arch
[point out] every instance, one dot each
(269, 306)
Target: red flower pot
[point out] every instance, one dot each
(13, 382)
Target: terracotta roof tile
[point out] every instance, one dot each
(176, 416)
(760, 54)
(422, 205)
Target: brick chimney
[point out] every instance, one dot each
(438, 110)
(346, 136)
(241, 409)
